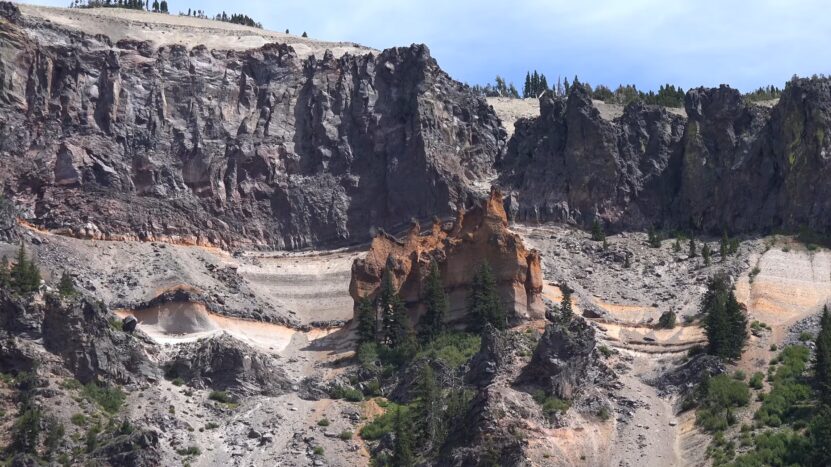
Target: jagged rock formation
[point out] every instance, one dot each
(78, 330)
(227, 364)
(562, 359)
(125, 140)
(459, 247)
(731, 164)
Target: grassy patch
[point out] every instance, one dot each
(453, 348)
(790, 396)
(189, 451)
(108, 398)
(345, 435)
(550, 405)
(323, 422)
(383, 424)
(221, 396)
(716, 398)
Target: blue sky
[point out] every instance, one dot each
(645, 42)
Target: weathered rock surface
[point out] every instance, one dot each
(138, 448)
(126, 140)
(731, 164)
(78, 330)
(227, 364)
(459, 247)
(562, 359)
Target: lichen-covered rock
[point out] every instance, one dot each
(256, 147)
(459, 247)
(224, 363)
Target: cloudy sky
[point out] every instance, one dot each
(645, 42)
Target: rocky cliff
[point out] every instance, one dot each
(459, 247)
(730, 164)
(127, 140)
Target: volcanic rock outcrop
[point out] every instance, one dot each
(225, 363)
(459, 247)
(126, 140)
(731, 164)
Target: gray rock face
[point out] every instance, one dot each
(227, 364)
(78, 331)
(562, 359)
(217, 147)
(730, 164)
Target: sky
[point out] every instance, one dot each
(690, 43)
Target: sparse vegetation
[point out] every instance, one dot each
(667, 320)
(220, 396)
(323, 422)
(717, 398)
(551, 405)
(108, 398)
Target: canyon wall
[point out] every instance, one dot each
(257, 147)
(730, 164)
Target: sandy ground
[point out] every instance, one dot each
(172, 29)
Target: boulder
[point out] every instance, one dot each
(224, 363)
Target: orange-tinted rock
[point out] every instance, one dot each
(459, 247)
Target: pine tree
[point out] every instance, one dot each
(66, 286)
(429, 404)
(5, 276)
(402, 453)
(822, 358)
(535, 83)
(565, 303)
(402, 336)
(676, 247)
(367, 320)
(163, 6)
(543, 85)
(483, 303)
(654, 239)
(25, 275)
(725, 324)
(155, 6)
(304, 34)
(565, 85)
(705, 253)
(387, 301)
(597, 231)
(692, 254)
(724, 247)
(526, 89)
(820, 436)
(435, 301)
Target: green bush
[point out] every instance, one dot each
(318, 450)
(551, 405)
(79, 419)
(805, 336)
(739, 375)
(189, 451)
(348, 393)
(756, 380)
(790, 394)
(220, 396)
(667, 320)
(606, 351)
(345, 435)
(717, 397)
(383, 424)
(211, 426)
(108, 398)
(323, 422)
(452, 348)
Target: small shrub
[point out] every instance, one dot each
(318, 450)
(739, 375)
(606, 351)
(116, 324)
(805, 336)
(717, 397)
(756, 380)
(774, 347)
(178, 381)
(108, 398)
(220, 396)
(551, 405)
(79, 419)
(667, 320)
(323, 422)
(211, 426)
(345, 435)
(189, 451)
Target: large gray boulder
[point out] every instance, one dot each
(225, 363)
